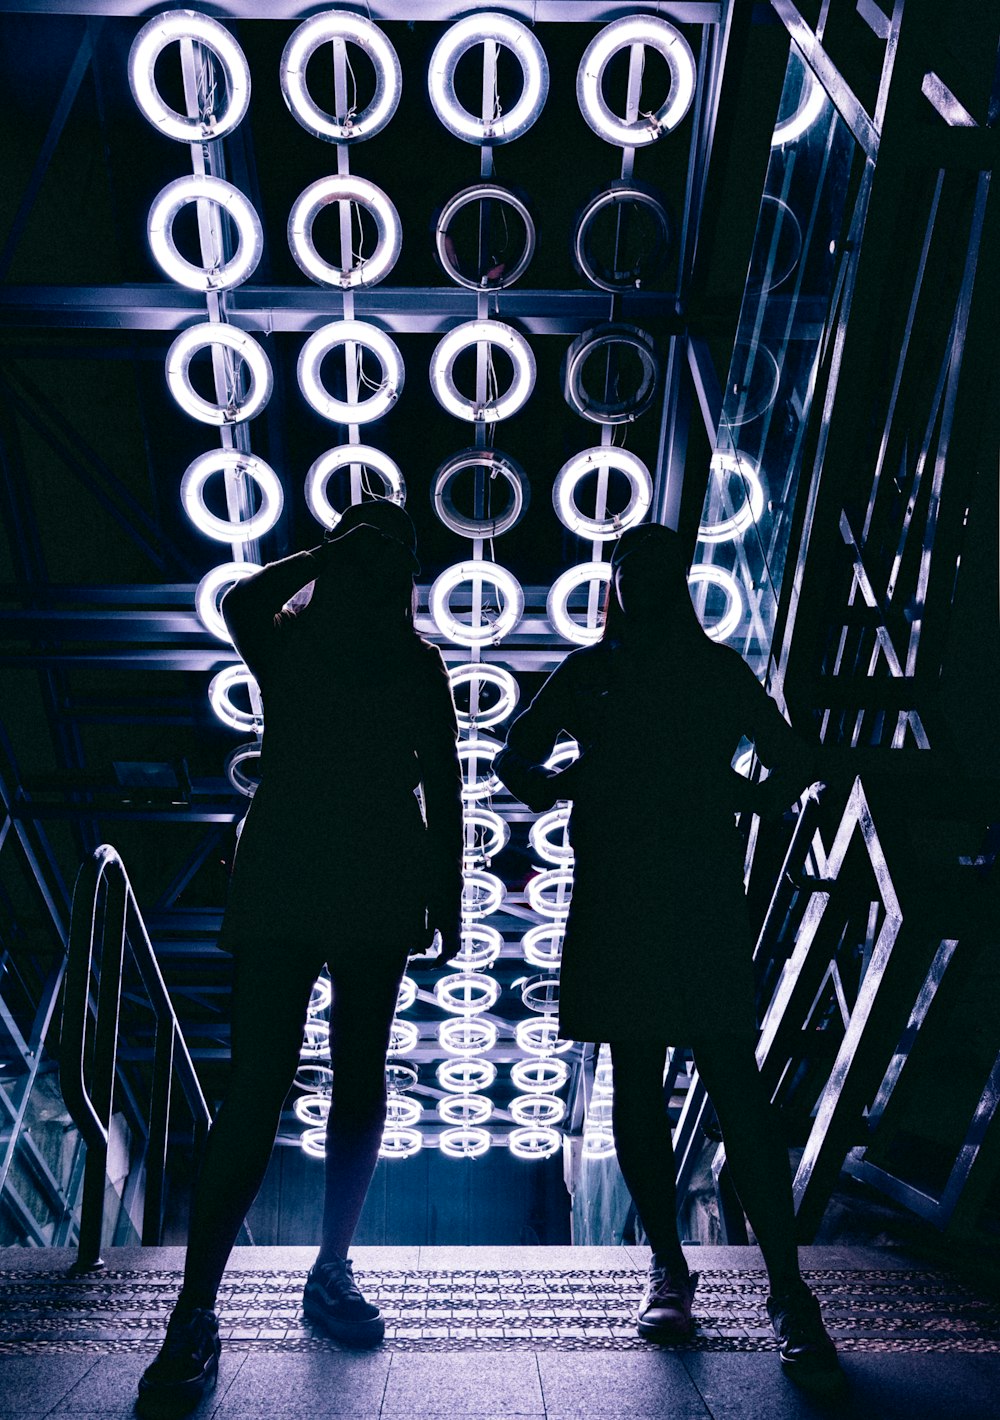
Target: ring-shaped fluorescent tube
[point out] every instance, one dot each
(220, 689)
(541, 1075)
(398, 1143)
(465, 1141)
(533, 1110)
(481, 945)
(730, 465)
(708, 573)
(465, 1109)
(479, 674)
(600, 341)
(320, 996)
(508, 590)
(743, 402)
(210, 592)
(315, 1039)
(356, 332)
(402, 1112)
(600, 1112)
(343, 456)
(496, 833)
(557, 602)
(467, 1036)
(312, 1109)
(542, 945)
(494, 465)
(534, 1142)
(483, 192)
(566, 752)
(557, 881)
(201, 187)
(482, 332)
(149, 43)
(352, 127)
(470, 752)
(621, 34)
(467, 993)
(483, 893)
(238, 771)
(613, 199)
(812, 101)
(313, 1141)
(235, 463)
(407, 993)
(598, 1144)
(481, 28)
(539, 1035)
(403, 1037)
(466, 1077)
(201, 337)
(590, 461)
(541, 994)
(542, 835)
(346, 187)
(315, 1078)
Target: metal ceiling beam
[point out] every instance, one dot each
(690, 12)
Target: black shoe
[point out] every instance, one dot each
(804, 1346)
(185, 1368)
(333, 1300)
(665, 1308)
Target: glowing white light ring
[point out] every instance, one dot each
(508, 589)
(469, 754)
(313, 1142)
(482, 894)
(480, 192)
(566, 752)
(400, 1075)
(403, 1037)
(498, 830)
(160, 232)
(346, 187)
(211, 590)
(200, 470)
(244, 783)
(671, 45)
(320, 996)
(315, 1078)
(312, 1109)
(557, 602)
(475, 957)
(608, 528)
(553, 933)
(732, 413)
(604, 1075)
(407, 993)
(554, 880)
(540, 838)
(812, 101)
(200, 337)
(467, 993)
(534, 1110)
(343, 456)
(496, 465)
(617, 194)
(539, 1035)
(482, 332)
(463, 1077)
(750, 510)
(341, 332)
(465, 1109)
(600, 1113)
(401, 1112)
(315, 1039)
(591, 342)
(302, 45)
(542, 1075)
(400, 1143)
(598, 1144)
(714, 576)
(535, 1142)
(220, 689)
(467, 1036)
(457, 41)
(501, 680)
(541, 993)
(465, 1141)
(147, 47)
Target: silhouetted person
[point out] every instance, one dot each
(334, 865)
(657, 946)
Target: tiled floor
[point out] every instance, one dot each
(484, 1333)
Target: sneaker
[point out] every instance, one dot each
(665, 1308)
(333, 1300)
(185, 1368)
(804, 1346)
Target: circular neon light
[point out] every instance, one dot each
(540, 1036)
(352, 127)
(747, 399)
(601, 340)
(482, 332)
(211, 590)
(590, 461)
(671, 45)
(224, 275)
(238, 771)
(494, 465)
(467, 993)
(315, 1038)
(566, 752)
(457, 41)
(313, 1142)
(477, 674)
(728, 466)
(344, 456)
(541, 993)
(236, 464)
(812, 101)
(508, 590)
(467, 1036)
(403, 1037)
(147, 47)
(557, 602)
(201, 337)
(598, 1144)
(465, 1109)
(542, 946)
(483, 192)
(482, 894)
(600, 1113)
(220, 689)
(401, 1112)
(542, 833)
(369, 337)
(618, 195)
(400, 1075)
(535, 1142)
(407, 993)
(707, 573)
(464, 1077)
(542, 1075)
(496, 833)
(481, 945)
(314, 1078)
(367, 271)
(556, 881)
(465, 1141)
(312, 1109)
(400, 1143)
(320, 996)
(470, 752)
(534, 1110)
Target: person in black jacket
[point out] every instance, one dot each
(336, 864)
(657, 946)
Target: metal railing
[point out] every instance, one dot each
(103, 876)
